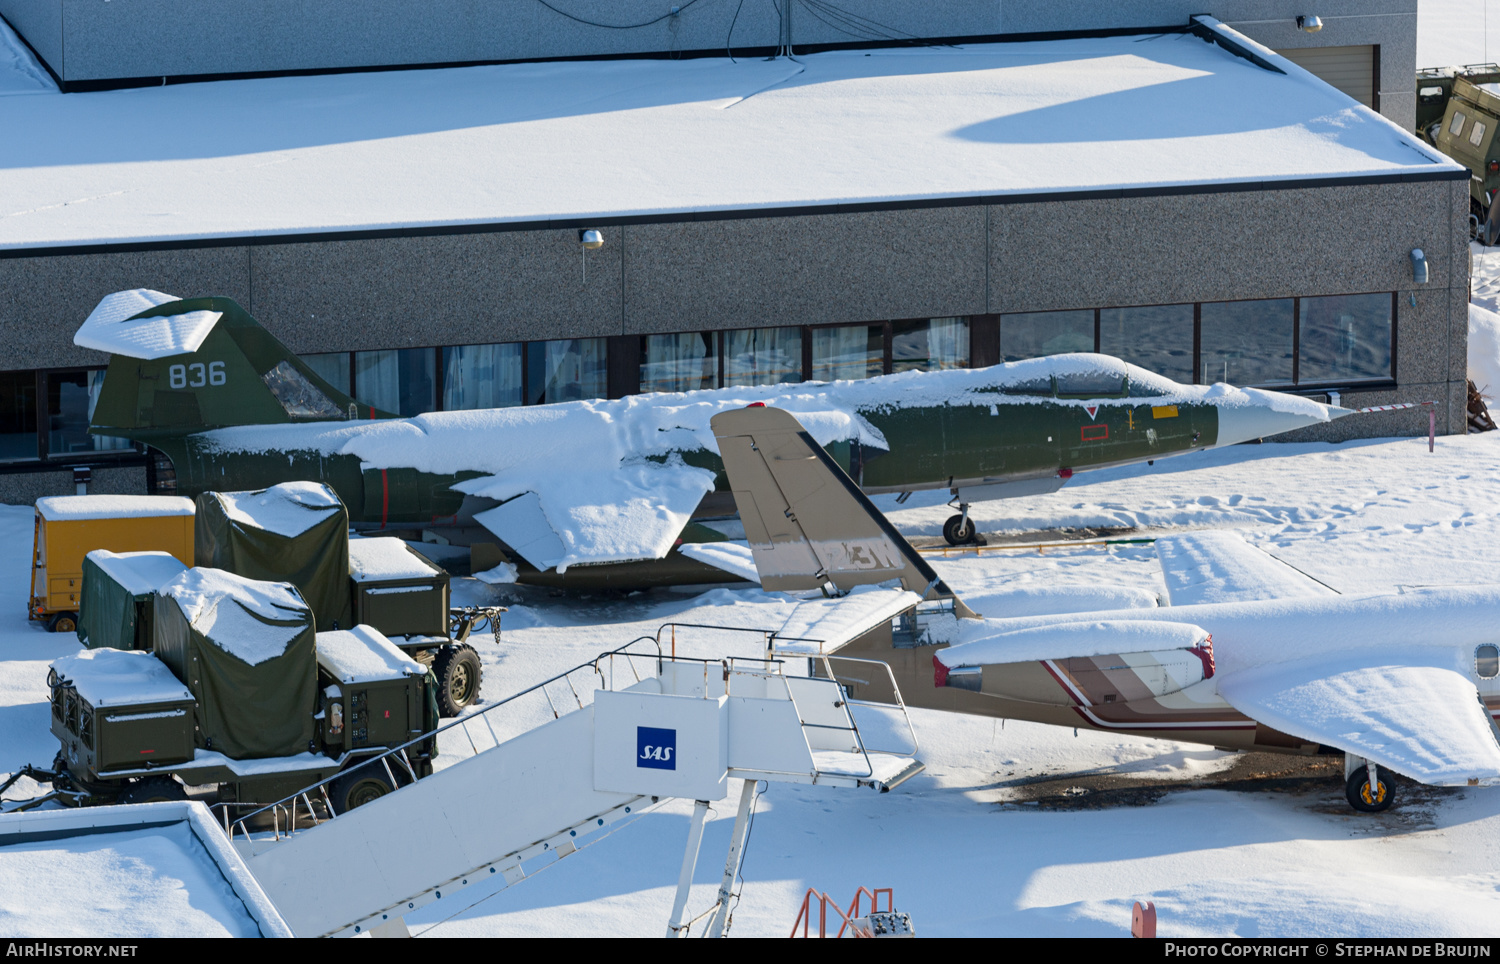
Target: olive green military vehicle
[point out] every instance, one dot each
(1458, 111)
(600, 493)
(241, 701)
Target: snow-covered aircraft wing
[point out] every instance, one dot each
(1423, 721)
(828, 625)
(732, 557)
(1220, 566)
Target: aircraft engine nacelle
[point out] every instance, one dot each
(1085, 680)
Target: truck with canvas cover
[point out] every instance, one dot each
(131, 731)
(1458, 112)
(69, 527)
(296, 532)
(116, 609)
(246, 651)
(405, 595)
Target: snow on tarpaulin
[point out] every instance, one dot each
(1484, 350)
(112, 327)
(827, 625)
(1220, 566)
(55, 508)
(1423, 721)
(138, 572)
(288, 509)
(247, 652)
(362, 655)
(734, 558)
(226, 606)
(605, 478)
(112, 677)
(1063, 640)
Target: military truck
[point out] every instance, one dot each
(1458, 112)
(299, 532)
(242, 701)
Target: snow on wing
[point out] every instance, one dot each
(1425, 722)
(1219, 566)
(635, 512)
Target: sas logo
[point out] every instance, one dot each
(655, 748)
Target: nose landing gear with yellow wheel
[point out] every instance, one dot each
(1367, 795)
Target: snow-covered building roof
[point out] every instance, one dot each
(539, 142)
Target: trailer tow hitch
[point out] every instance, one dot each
(40, 776)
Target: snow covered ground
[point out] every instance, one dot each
(1456, 32)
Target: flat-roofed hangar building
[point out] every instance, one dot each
(1208, 210)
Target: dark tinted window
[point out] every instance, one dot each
(1247, 342)
(1345, 338)
(17, 416)
(1038, 333)
(1487, 661)
(1158, 338)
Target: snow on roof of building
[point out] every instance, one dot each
(386, 558)
(288, 509)
(595, 140)
(363, 655)
(110, 327)
(57, 508)
(138, 572)
(111, 677)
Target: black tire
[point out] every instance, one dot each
(153, 790)
(957, 531)
(459, 675)
(360, 785)
(1357, 791)
(63, 623)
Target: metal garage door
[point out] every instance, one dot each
(1350, 69)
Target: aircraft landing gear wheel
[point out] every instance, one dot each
(458, 676)
(359, 786)
(153, 790)
(63, 623)
(958, 531)
(1357, 790)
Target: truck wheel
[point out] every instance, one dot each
(458, 675)
(357, 787)
(64, 623)
(1357, 791)
(153, 790)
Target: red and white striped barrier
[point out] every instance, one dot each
(1399, 406)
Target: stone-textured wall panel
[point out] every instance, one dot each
(43, 300)
(443, 290)
(1169, 249)
(819, 269)
(24, 488)
(1403, 423)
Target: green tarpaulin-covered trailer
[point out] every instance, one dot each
(247, 652)
(115, 607)
(296, 532)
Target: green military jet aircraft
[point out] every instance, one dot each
(547, 490)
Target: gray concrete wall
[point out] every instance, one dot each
(24, 488)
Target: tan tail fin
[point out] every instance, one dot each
(809, 525)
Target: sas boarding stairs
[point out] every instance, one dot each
(604, 753)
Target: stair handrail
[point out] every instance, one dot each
(242, 824)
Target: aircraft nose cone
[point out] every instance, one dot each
(1271, 415)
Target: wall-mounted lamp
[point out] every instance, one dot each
(1309, 24)
(591, 240)
(1418, 266)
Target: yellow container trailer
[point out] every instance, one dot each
(69, 527)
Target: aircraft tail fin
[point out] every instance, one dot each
(809, 525)
(180, 366)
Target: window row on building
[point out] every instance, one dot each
(1336, 340)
